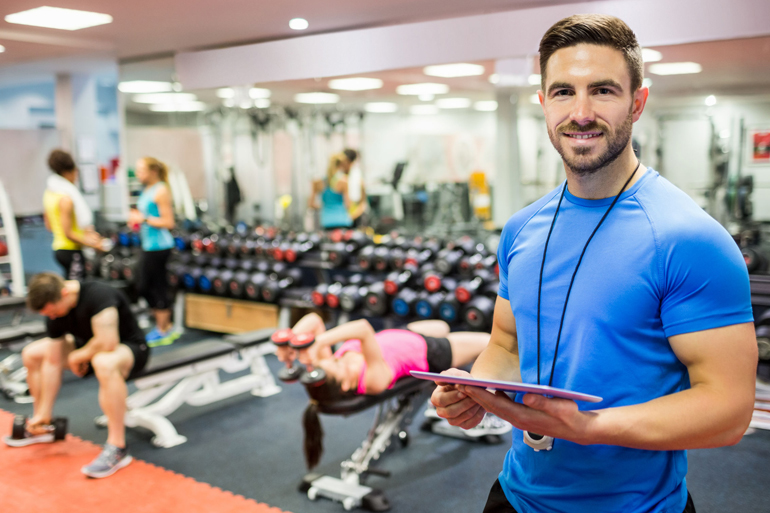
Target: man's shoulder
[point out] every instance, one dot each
(99, 294)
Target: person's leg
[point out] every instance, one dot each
(466, 346)
(111, 369)
(45, 360)
(162, 319)
(436, 329)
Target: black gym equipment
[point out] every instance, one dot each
(58, 427)
(376, 300)
(253, 287)
(311, 377)
(480, 310)
(280, 281)
(403, 304)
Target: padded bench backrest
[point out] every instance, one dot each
(357, 403)
(186, 355)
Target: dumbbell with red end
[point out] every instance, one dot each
(467, 289)
(274, 287)
(303, 245)
(396, 281)
(365, 257)
(480, 310)
(221, 283)
(352, 295)
(470, 263)
(382, 256)
(447, 260)
(418, 258)
(252, 289)
(293, 370)
(434, 281)
(311, 377)
(376, 300)
(333, 294)
(237, 283)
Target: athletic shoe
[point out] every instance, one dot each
(490, 425)
(157, 338)
(110, 460)
(29, 439)
(430, 411)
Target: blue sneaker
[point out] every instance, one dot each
(110, 460)
(161, 338)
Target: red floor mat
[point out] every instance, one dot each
(46, 477)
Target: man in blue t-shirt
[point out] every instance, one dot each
(615, 284)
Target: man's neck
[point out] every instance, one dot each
(606, 182)
(74, 291)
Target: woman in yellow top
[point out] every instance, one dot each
(67, 216)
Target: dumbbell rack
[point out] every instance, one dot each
(11, 234)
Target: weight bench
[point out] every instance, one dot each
(191, 375)
(395, 408)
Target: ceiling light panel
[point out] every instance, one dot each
(179, 107)
(425, 88)
(650, 55)
(298, 24)
(453, 103)
(226, 92)
(485, 106)
(316, 98)
(165, 98)
(462, 69)
(145, 86)
(355, 84)
(423, 110)
(262, 103)
(58, 18)
(675, 68)
(381, 107)
(258, 93)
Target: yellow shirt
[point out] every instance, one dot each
(51, 202)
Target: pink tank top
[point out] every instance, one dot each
(403, 351)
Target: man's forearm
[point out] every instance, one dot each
(697, 418)
(98, 345)
(495, 362)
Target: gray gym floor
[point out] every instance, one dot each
(252, 446)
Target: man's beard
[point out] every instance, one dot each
(582, 165)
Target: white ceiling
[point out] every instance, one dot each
(151, 27)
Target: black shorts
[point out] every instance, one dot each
(141, 352)
(153, 279)
(439, 353)
(73, 263)
(498, 503)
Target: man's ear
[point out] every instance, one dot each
(64, 292)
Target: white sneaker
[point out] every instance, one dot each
(29, 439)
(490, 425)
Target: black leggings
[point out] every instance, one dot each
(498, 503)
(73, 263)
(153, 280)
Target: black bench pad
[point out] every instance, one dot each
(357, 403)
(187, 355)
(250, 338)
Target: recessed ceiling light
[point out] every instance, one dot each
(381, 107)
(453, 103)
(650, 55)
(534, 79)
(298, 24)
(355, 84)
(421, 110)
(145, 86)
(426, 97)
(647, 82)
(58, 18)
(494, 78)
(675, 68)
(534, 99)
(711, 100)
(426, 88)
(257, 93)
(261, 103)
(316, 98)
(226, 92)
(461, 69)
(486, 106)
(165, 98)
(2, 48)
(179, 107)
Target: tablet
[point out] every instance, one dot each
(508, 386)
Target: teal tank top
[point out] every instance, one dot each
(333, 213)
(153, 239)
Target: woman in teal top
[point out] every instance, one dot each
(334, 198)
(154, 217)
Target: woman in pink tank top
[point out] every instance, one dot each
(369, 362)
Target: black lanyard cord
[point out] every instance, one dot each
(572, 280)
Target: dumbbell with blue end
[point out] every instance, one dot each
(293, 370)
(312, 377)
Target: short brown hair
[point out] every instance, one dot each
(595, 29)
(60, 162)
(44, 288)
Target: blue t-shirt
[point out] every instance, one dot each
(659, 266)
(153, 239)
